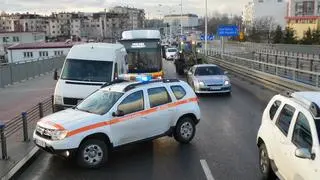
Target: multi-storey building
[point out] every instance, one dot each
(136, 16)
(302, 15)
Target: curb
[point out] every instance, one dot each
(20, 164)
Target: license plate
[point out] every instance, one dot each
(40, 143)
(215, 88)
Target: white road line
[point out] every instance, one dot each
(206, 169)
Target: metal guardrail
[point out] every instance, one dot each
(23, 123)
(293, 77)
(16, 72)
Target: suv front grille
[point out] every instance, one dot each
(71, 101)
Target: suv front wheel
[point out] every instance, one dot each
(185, 130)
(92, 153)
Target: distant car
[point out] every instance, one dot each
(209, 78)
(288, 137)
(171, 53)
(117, 114)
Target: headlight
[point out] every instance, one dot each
(226, 83)
(58, 99)
(201, 84)
(59, 134)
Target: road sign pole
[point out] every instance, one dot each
(222, 45)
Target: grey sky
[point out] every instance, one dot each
(151, 6)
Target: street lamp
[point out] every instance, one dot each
(206, 28)
(181, 20)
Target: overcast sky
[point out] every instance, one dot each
(154, 8)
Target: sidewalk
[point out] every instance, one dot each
(15, 99)
(19, 152)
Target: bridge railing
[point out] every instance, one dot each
(16, 72)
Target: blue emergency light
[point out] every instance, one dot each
(143, 78)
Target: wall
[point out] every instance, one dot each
(17, 55)
(273, 8)
(301, 28)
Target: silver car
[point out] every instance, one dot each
(209, 78)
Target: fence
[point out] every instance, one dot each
(16, 72)
(21, 125)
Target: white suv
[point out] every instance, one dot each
(118, 114)
(288, 138)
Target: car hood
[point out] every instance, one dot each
(212, 80)
(64, 119)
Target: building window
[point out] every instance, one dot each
(16, 39)
(58, 53)
(53, 26)
(28, 54)
(53, 32)
(43, 54)
(5, 39)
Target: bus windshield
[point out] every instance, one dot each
(146, 60)
(86, 70)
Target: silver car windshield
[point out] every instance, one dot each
(208, 71)
(99, 102)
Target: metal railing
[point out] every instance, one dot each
(16, 72)
(299, 70)
(23, 123)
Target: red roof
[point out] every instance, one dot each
(302, 17)
(43, 45)
(6, 32)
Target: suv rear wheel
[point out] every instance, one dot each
(185, 130)
(264, 163)
(93, 153)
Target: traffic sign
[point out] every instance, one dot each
(210, 37)
(228, 30)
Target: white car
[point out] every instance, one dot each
(208, 78)
(117, 114)
(171, 53)
(288, 138)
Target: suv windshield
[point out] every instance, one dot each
(172, 50)
(208, 71)
(99, 102)
(86, 70)
(318, 127)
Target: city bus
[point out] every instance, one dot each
(144, 52)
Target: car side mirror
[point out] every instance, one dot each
(118, 113)
(55, 75)
(303, 153)
(226, 72)
(189, 73)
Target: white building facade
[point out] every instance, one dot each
(188, 21)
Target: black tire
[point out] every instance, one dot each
(264, 163)
(97, 146)
(185, 130)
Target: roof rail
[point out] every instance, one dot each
(132, 86)
(117, 81)
(287, 93)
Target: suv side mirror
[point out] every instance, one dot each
(55, 75)
(303, 153)
(118, 113)
(226, 72)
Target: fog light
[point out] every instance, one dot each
(67, 153)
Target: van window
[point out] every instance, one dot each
(86, 70)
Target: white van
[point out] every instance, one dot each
(86, 68)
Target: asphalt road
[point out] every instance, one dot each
(225, 139)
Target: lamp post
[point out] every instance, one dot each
(206, 29)
(181, 33)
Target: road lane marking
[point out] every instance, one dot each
(206, 169)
